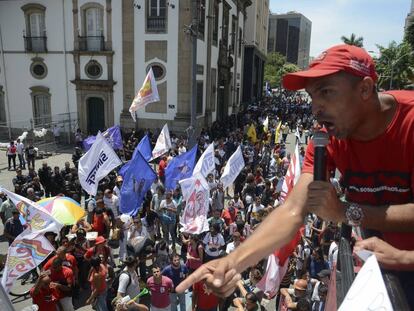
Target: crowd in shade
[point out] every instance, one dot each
(115, 258)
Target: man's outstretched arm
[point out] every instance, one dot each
(274, 232)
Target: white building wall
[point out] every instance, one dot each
(171, 65)
(17, 61)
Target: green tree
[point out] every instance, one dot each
(353, 40)
(395, 66)
(275, 67)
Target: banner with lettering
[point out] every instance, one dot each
(27, 251)
(33, 215)
(196, 195)
(205, 164)
(233, 168)
(96, 164)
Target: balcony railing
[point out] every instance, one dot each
(35, 44)
(156, 24)
(92, 43)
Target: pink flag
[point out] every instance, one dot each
(277, 263)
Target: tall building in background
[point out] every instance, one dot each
(410, 16)
(290, 34)
(255, 49)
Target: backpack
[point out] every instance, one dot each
(113, 290)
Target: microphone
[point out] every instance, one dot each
(320, 140)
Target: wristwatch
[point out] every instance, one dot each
(354, 215)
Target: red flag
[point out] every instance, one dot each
(277, 262)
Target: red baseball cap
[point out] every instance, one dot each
(344, 57)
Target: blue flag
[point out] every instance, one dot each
(179, 168)
(138, 179)
(112, 135)
(144, 147)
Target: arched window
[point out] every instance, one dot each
(92, 38)
(35, 33)
(42, 115)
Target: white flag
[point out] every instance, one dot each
(205, 164)
(233, 168)
(266, 125)
(146, 95)
(196, 194)
(96, 164)
(297, 134)
(34, 215)
(163, 143)
(27, 251)
(292, 174)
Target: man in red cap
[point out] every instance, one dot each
(379, 185)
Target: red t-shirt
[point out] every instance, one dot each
(63, 277)
(70, 262)
(45, 299)
(206, 300)
(380, 171)
(161, 168)
(160, 293)
(229, 217)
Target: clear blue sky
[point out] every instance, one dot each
(377, 21)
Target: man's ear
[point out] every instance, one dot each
(366, 87)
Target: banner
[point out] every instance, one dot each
(34, 216)
(112, 135)
(96, 164)
(233, 168)
(143, 147)
(163, 144)
(196, 194)
(27, 251)
(179, 168)
(146, 95)
(137, 181)
(205, 164)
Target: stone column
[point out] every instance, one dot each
(108, 42)
(128, 13)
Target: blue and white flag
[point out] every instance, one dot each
(233, 168)
(96, 164)
(137, 181)
(113, 136)
(144, 147)
(179, 168)
(205, 164)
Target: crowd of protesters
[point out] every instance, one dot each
(114, 257)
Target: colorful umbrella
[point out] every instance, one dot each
(64, 209)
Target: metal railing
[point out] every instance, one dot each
(35, 44)
(156, 24)
(346, 275)
(91, 43)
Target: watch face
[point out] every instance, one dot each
(354, 215)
